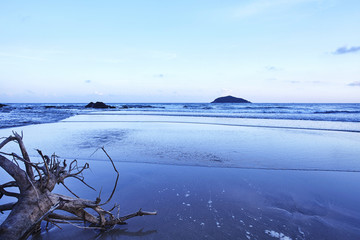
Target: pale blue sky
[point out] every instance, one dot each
(180, 51)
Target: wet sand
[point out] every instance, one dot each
(181, 141)
(196, 177)
(224, 203)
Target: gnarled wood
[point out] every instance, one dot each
(36, 201)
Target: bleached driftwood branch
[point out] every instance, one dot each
(36, 202)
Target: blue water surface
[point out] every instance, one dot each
(20, 114)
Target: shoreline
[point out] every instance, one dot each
(112, 117)
(140, 139)
(221, 167)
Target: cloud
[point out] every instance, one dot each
(25, 18)
(262, 6)
(98, 93)
(294, 82)
(162, 55)
(354, 84)
(226, 91)
(87, 81)
(319, 82)
(271, 68)
(345, 50)
(159, 75)
(110, 60)
(2, 54)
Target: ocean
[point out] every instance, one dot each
(340, 115)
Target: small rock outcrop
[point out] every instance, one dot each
(136, 106)
(230, 99)
(98, 105)
(47, 107)
(2, 105)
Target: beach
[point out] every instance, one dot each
(210, 177)
(188, 119)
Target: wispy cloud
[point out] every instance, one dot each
(263, 6)
(345, 50)
(226, 91)
(159, 75)
(98, 93)
(109, 60)
(271, 68)
(162, 55)
(87, 81)
(354, 84)
(25, 18)
(7, 55)
(294, 82)
(318, 82)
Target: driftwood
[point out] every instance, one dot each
(37, 203)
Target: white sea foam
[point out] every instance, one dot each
(277, 235)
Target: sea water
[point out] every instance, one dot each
(20, 114)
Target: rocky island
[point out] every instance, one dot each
(98, 105)
(230, 99)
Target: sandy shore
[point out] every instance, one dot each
(181, 141)
(194, 175)
(224, 203)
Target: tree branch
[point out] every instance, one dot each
(117, 178)
(6, 141)
(15, 172)
(7, 193)
(28, 167)
(53, 216)
(7, 206)
(138, 213)
(37, 202)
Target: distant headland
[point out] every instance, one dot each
(230, 99)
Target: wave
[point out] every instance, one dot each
(336, 111)
(314, 127)
(20, 114)
(269, 107)
(242, 115)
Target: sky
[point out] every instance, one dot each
(275, 51)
